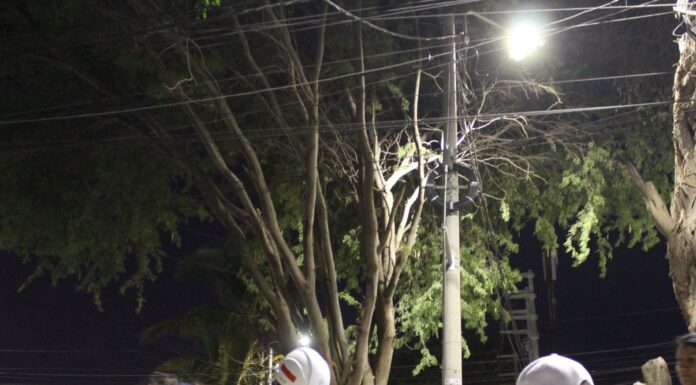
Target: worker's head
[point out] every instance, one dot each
(554, 370)
(302, 366)
(686, 359)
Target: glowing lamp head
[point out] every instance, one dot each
(522, 40)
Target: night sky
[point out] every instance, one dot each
(57, 336)
(612, 325)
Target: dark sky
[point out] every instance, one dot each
(56, 336)
(612, 324)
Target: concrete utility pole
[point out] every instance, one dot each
(451, 307)
(269, 379)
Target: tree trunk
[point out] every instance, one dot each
(386, 334)
(681, 242)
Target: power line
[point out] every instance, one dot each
(241, 94)
(166, 105)
(397, 11)
(581, 13)
(206, 99)
(388, 32)
(519, 84)
(299, 130)
(618, 364)
(281, 25)
(286, 22)
(618, 315)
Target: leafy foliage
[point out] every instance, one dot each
(484, 276)
(107, 208)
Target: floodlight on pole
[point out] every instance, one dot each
(523, 39)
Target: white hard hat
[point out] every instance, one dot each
(302, 366)
(554, 370)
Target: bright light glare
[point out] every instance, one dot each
(304, 340)
(522, 40)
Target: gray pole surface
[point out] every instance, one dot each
(451, 309)
(269, 379)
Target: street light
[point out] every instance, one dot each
(523, 39)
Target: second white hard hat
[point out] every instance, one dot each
(554, 370)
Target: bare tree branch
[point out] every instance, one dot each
(653, 202)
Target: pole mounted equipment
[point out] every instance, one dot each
(458, 170)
